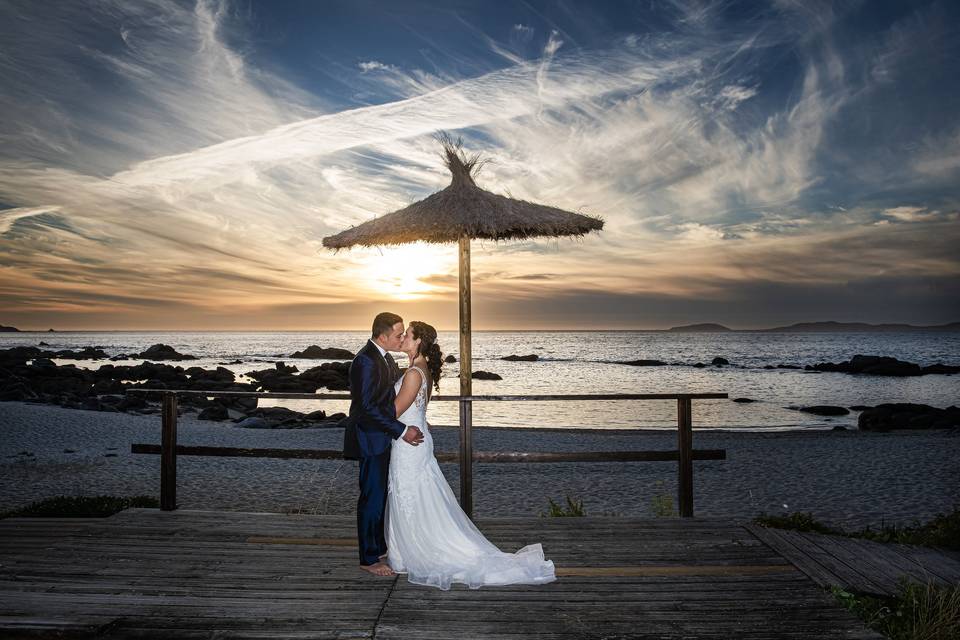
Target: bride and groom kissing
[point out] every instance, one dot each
(408, 519)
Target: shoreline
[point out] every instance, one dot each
(849, 479)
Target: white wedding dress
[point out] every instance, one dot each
(429, 537)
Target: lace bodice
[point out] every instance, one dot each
(416, 413)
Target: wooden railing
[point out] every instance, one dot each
(685, 454)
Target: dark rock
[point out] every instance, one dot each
(133, 401)
(789, 366)
(744, 400)
(719, 362)
(17, 392)
(825, 410)
(320, 414)
(164, 352)
(214, 412)
(332, 375)
(330, 353)
(485, 375)
(253, 423)
(839, 428)
(514, 358)
(699, 365)
(87, 353)
(276, 414)
(769, 366)
(6, 329)
(902, 415)
(450, 358)
(940, 368)
(43, 344)
(234, 362)
(859, 407)
(111, 400)
(874, 366)
(643, 363)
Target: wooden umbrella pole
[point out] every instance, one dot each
(466, 383)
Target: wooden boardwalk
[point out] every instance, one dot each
(861, 565)
(146, 573)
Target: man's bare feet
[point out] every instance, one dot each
(378, 569)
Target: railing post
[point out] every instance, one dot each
(685, 464)
(168, 453)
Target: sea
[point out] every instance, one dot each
(585, 362)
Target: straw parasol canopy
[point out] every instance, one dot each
(464, 209)
(459, 213)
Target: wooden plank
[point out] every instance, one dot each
(797, 555)
(673, 570)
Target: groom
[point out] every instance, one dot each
(371, 426)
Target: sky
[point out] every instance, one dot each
(175, 165)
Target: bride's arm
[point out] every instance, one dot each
(408, 391)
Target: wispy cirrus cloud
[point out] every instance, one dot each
(159, 157)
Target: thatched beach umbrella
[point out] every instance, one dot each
(459, 213)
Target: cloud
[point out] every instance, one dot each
(147, 152)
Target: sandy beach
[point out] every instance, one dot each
(846, 478)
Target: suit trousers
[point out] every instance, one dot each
(371, 506)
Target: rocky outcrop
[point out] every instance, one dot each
(314, 352)
(823, 410)
(485, 375)
(159, 352)
(450, 359)
(882, 366)
(719, 362)
(6, 329)
(643, 363)
(514, 358)
(902, 415)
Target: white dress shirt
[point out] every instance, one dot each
(383, 352)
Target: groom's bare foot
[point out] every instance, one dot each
(378, 569)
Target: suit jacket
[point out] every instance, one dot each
(372, 423)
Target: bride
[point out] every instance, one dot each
(429, 537)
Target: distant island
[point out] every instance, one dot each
(4, 328)
(812, 327)
(706, 326)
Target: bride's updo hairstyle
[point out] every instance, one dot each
(429, 348)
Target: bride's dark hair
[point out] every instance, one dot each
(429, 349)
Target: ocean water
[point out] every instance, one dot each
(583, 362)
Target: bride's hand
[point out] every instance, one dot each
(413, 436)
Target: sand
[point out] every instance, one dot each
(845, 478)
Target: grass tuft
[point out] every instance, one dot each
(81, 506)
(918, 612)
(942, 531)
(574, 509)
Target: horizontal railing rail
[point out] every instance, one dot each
(685, 454)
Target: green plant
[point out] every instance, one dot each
(662, 503)
(81, 506)
(918, 612)
(574, 509)
(943, 531)
(799, 521)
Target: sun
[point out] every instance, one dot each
(403, 272)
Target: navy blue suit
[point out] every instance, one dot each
(368, 435)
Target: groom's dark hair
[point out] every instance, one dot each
(384, 322)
